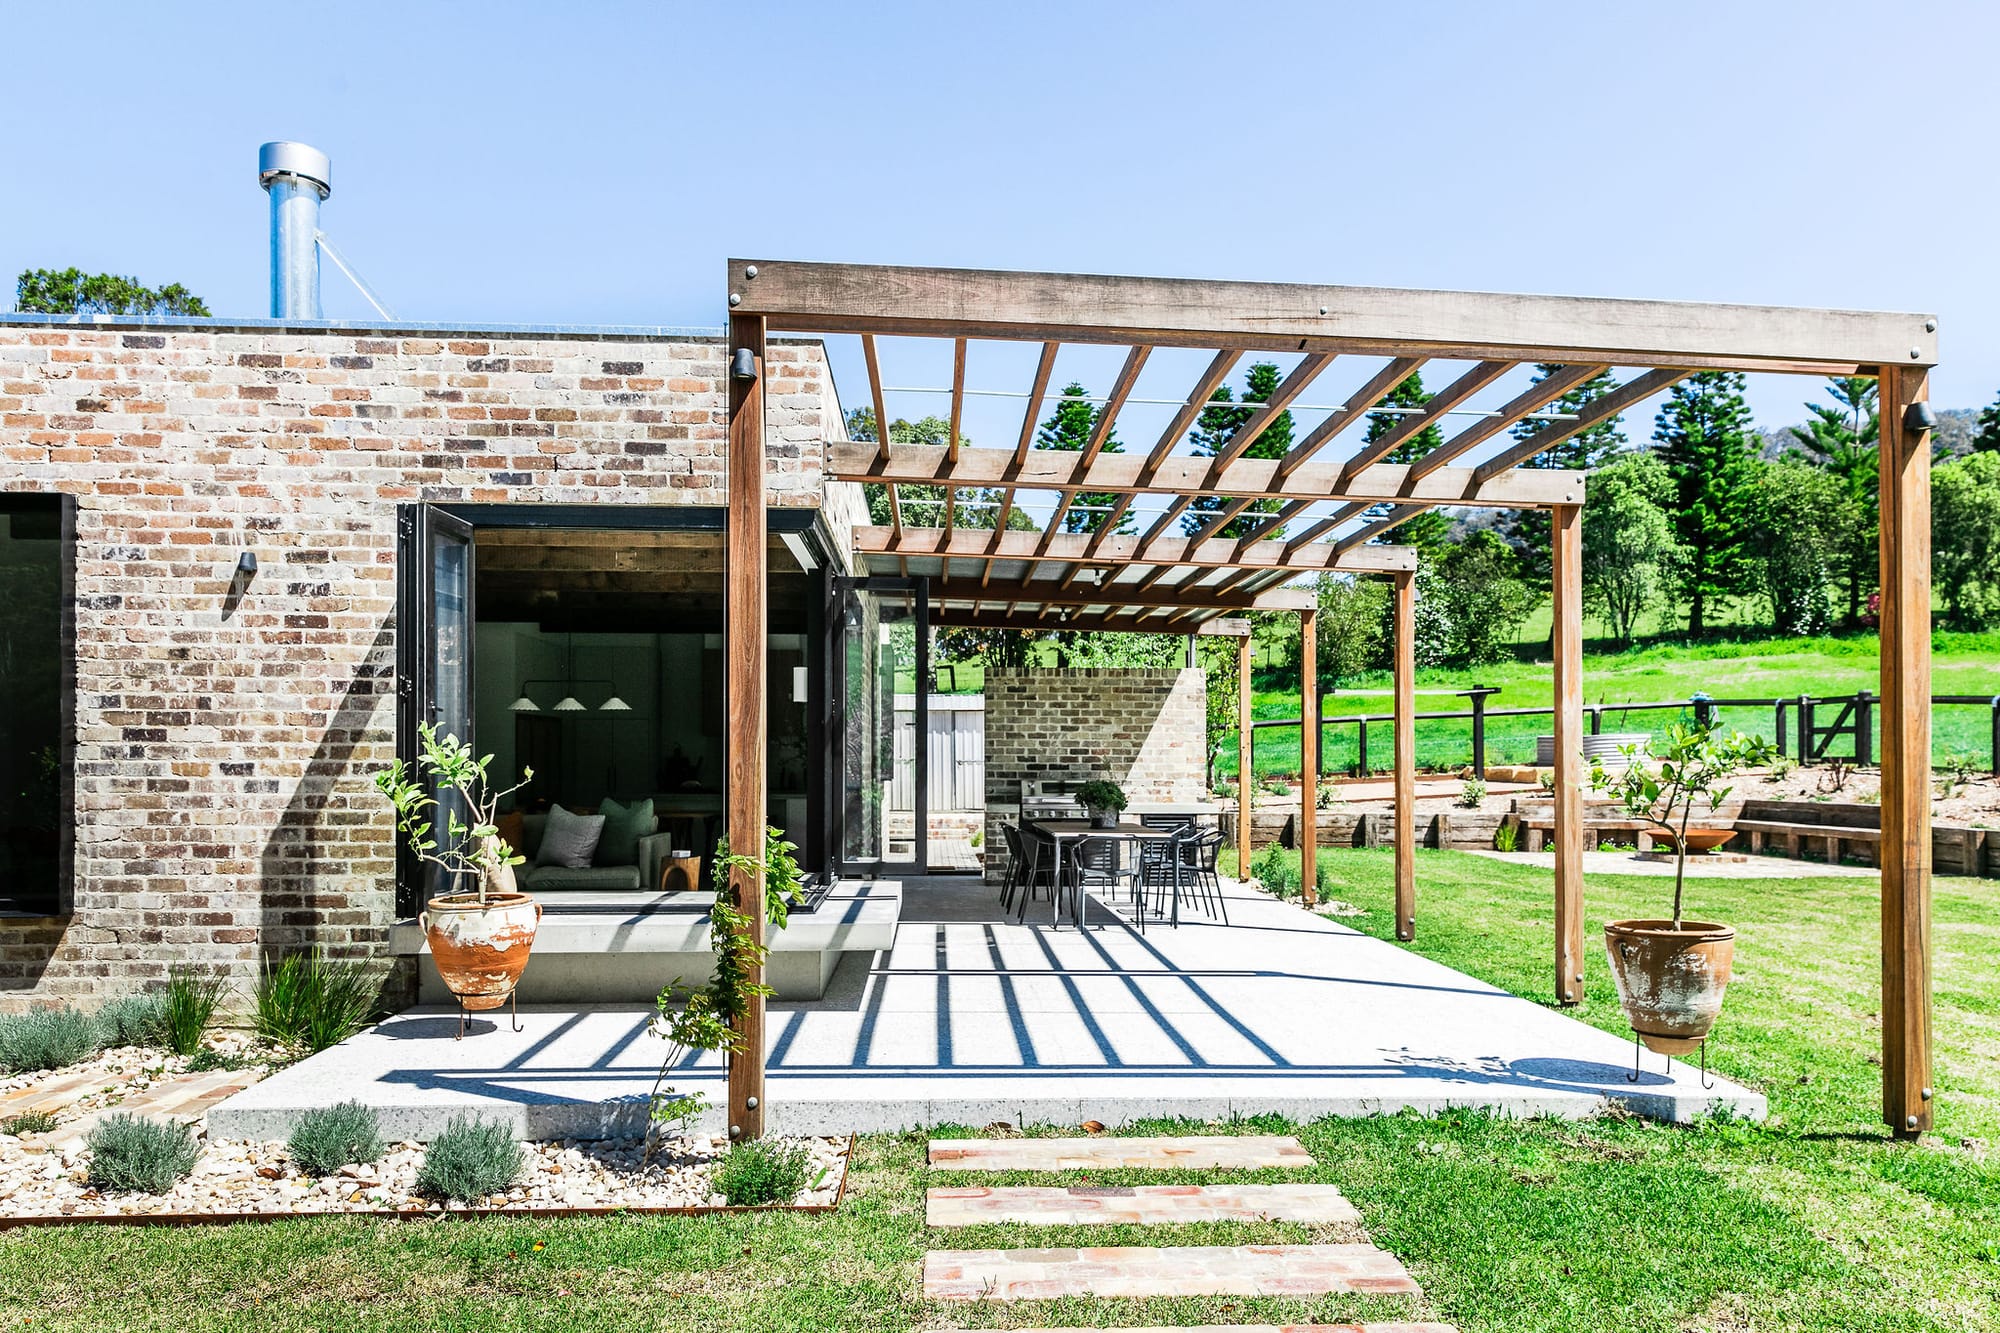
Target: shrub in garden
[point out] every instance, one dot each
(1473, 793)
(330, 1137)
(47, 1039)
(29, 1122)
(136, 1020)
(129, 1153)
(310, 1000)
(190, 1007)
(470, 1160)
(761, 1171)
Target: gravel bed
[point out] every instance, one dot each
(131, 1069)
(239, 1176)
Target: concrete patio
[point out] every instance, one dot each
(972, 1018)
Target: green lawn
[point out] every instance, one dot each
(1815, 1219)
(1773, 668)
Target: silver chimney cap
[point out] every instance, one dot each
(285, 158)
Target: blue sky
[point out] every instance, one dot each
(598, 163)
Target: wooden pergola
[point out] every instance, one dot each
(1158, 580)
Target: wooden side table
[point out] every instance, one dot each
(680, 874)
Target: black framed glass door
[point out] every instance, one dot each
(879, 645)
(434, 652)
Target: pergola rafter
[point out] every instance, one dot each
(1150, 581)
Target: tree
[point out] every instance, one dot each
(1214, 429)
(1702, 434)
(1799, 511)
(1987, 437)
(974, 507)
(1069, 427)
(994, 647)
(1965, 538)
(1629, 550)
(1528, 529)
(71, 291)
(1429, 530)
(1482, 599)
(1217, 655)
(1354, 623)
(1841, 438)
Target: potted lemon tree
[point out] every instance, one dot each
(480, 936)
(1671, 972)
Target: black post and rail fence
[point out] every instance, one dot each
(1812, 729)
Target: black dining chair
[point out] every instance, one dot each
(1161, 870)
(1039, 870)
(1099, 863)
(1197, 854)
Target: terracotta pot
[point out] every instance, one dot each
(1670, 981)
(481, 949)
(1699, 839)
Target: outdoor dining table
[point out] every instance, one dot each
(1066, 833)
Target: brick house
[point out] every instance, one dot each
(250, 554)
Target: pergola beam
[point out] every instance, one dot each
(1127, 549)
(1115, 621)
(1044, 368)
(1180, 312)
(1533, 397)
(1050, 592)
(1183, 476)
(1618, 401)
(1413, 423)
(1107, 417)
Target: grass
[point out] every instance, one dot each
(1752, 669)
(310, 1000)
(1813, 1220)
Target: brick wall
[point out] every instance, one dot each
(1141, 728)
(225, 732)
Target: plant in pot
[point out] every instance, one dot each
(1104, 799)
(480, 936)
(1671, 973)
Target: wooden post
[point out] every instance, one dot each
(1244, 780)
(744, 639)
(1309, 757)
(1566, 529)
(1906, 755)
(1406, 756)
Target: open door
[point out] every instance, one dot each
(434, 630)
(880, 636)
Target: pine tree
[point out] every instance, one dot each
(1528, 529)
(1218, 425)
(1988, 435)
(1069, 428)
(1428, 530)
(1703, 436)
(1842, 438)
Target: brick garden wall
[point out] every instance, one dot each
(225, 731)
(1142, 728)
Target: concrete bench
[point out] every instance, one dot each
(605, 948)
(1795, 835)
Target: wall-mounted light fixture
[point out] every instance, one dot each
(800, 551)
(743, 365)
(246, 564)
(1919, 417)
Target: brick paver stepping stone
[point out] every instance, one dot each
(1178, 1270)
(1035, 1205)
(58, 1094)
(1210, 1151)
(183, 1096)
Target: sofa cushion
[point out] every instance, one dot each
(624, 825)
(543, 879)
(569, 840)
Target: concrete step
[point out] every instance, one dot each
(1180, 1270)
(1036, 1205)
(1200, 1152)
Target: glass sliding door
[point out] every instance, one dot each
(880, 641)
(434, 571)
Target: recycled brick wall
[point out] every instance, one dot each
(1143, 728)
(226, 729)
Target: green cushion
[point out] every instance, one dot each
(624, 825)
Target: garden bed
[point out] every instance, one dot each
(241, 1181)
